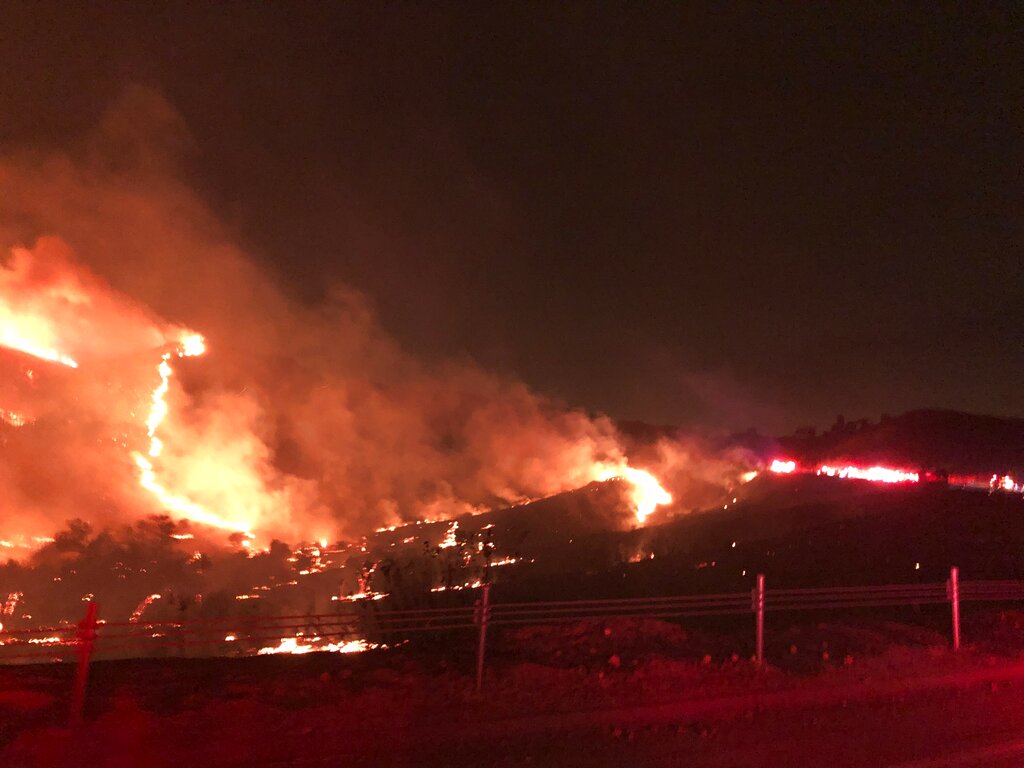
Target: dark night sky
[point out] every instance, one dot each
(727, 217)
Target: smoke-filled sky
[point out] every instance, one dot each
(719, 217)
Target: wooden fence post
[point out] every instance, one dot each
(483, 613)
(759, 610)
(954, 599)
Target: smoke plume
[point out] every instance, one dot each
(305, 421)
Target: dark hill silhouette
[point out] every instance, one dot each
(929, 439)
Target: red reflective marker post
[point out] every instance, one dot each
(86, 637)
(954, 600)
(759, 610)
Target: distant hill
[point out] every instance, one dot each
(799, 530)
(962, 443)
(929, 439)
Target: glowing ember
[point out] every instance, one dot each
(475, 584)
(746, 477)
(11, 603)
(360, 596)
(140, 609)
(505, 561)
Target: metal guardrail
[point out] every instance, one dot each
(92, 637)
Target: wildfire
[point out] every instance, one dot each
(449, 536)
(11, 603)
(781, 467)
(875, 474)
(12, 417)
(189, 345)
(301, 645)
(53, 309)
(50, 306)
(646, 493)
(141, 607)
(211, 468)
(12, 338)
(1005, 483)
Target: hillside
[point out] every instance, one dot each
(930, 439)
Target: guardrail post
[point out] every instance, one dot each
(758, 607)
(483, 609)
(953, 590)
(85, 639)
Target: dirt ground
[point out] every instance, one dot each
(598, 694)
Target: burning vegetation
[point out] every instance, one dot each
(207, 466)
(161, 370)
(153, 374)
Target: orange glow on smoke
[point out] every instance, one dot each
(52, 309)
(202, 458)
(646, 493)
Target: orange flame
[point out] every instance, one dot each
(301, 645)
(190, 345)
(875, 474)
(646, 493)
(10, 337)
(13, 418)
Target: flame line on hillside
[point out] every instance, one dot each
(190, 345)
(9, 338)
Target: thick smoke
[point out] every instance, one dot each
(307, 421)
